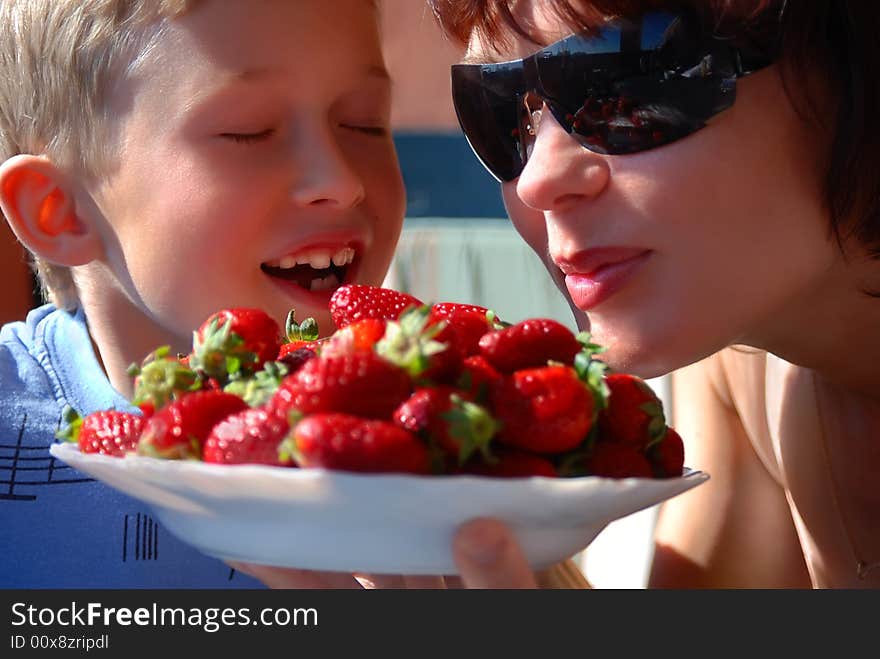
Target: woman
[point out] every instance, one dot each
(701, 181)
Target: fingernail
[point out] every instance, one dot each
(482, 545)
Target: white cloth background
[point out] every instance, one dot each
(485, 262)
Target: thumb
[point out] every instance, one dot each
(488, 556)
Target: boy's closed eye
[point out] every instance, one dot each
(253, 137)
(376, 130)
(250, 138)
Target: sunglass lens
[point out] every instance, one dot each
(628, 121)
(659, 86)
(489, 118)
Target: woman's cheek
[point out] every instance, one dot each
(528, 222)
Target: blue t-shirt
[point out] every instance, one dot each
(58, 527)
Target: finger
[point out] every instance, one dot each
(488, 556)
(282, 577)
(453, 582)
(375, 581)
(380, 581)
(425, 582)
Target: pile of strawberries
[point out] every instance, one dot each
(400, 386)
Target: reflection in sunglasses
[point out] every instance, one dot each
(614, 96)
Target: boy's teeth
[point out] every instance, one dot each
(344, 256)
(324, 284)
(318, 260)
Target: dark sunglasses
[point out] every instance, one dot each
(632, 87)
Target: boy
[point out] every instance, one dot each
(162, 160)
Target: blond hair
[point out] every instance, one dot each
(58, 61)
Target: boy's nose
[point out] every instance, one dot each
(559, 172)
(324, 175)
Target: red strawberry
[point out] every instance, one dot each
(108, 432)
(668, 455)
(613, 460)
(365, 333)
(359, 383)
(634, 414)
(249, 437)
(235, 339)
(294, 359)
(294, 346)
(465, 325)
(179, 429)
(544, 410)
(443, 367)
(512, 464)
(459, 427)
(349, 443)
(357, 301)
(477, 376)
(448, 309)
(529, 344)
(299, 335)
(360, 335)
(147, 408)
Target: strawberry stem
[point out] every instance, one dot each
(307, 330)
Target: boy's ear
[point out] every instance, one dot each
(40, 208)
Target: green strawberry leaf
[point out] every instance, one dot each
(592, 373)
(495, 322)
(472, 426)
(287, 448)
(585, 339)
(73, 425)
(656, 431)
(653, 409)
(409, 344)
(161, 378)
(573, 463)
(257, 389)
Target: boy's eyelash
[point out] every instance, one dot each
(249, 138)
(376, 131)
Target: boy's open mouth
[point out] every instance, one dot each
(315, 269)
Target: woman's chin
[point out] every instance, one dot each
(636, 354)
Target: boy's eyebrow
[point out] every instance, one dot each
(255, 75)
(249, 75)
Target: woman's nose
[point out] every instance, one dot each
(559, 172)
(323, 173)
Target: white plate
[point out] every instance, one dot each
(325, 520)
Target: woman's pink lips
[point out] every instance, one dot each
(589, 290)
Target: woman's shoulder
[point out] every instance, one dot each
(742, 367)
(736, 374)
